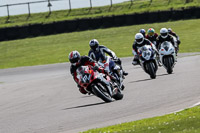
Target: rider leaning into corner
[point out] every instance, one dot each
(175, 35)
(98, 52)
(76, 61)
(139, 42)
(165, 36)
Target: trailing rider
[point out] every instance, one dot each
(98, 52)
(139, 42)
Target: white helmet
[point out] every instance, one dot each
(164, 32)
(94, 44)
(139, 38)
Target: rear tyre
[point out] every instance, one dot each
(102, 93)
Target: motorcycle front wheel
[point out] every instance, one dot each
(102, 93)
(117, 94)
(168, 62)
(151, 69)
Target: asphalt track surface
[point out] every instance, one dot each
(45, 99)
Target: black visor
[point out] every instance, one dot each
(164, 34)
(94, 47)
(139, 40)
(74, 60)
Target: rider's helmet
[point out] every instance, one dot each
(143, 32)
(164, 32)
(94, 44)
(74, 57)
(139, 38)
(169, 30)
(151, 32)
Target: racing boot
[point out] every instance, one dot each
(125, 73)
(135, 62)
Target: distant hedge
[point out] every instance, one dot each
(34, 30)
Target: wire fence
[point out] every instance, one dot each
(48, 5)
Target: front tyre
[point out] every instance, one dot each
(168, 63)
(101, 93)
(117, 94)
(151, 69)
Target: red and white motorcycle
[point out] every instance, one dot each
(98, 84)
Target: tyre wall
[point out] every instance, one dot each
(34, 30)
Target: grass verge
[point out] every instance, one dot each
(186, 121)
(137, 6)
(55, 48)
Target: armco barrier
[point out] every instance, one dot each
(33, 30)
(72, 25)
(2, 34)
(108, 21)
(48, 29)
(130, 19)
(83, 24)
(60, 27)
(24, 32)
(153, 17)
(95, 23)
(120, 20)
(12, 33)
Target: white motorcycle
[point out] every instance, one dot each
(167, 56)
(110, 66)
(147, 59)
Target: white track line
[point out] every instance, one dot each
(196, 104)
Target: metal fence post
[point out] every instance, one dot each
(111, 3)
(29, 10)
(70, 7)
(90, 3)
(131, 2)
(49, 5)
(8, 11)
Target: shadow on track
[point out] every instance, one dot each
(164, 74)
(149, 78)
(140, 80)
(87, 105)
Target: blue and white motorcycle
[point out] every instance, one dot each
(147, 59)
(113, 69)
(167, 56)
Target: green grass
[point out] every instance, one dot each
(55, 48)
(186, 121)
(117, 9)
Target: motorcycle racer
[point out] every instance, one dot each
(151, 35)
(139, 42)
(76, 61)
(165, 36)
(175, 35)
(143, 32)
(98, 52)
